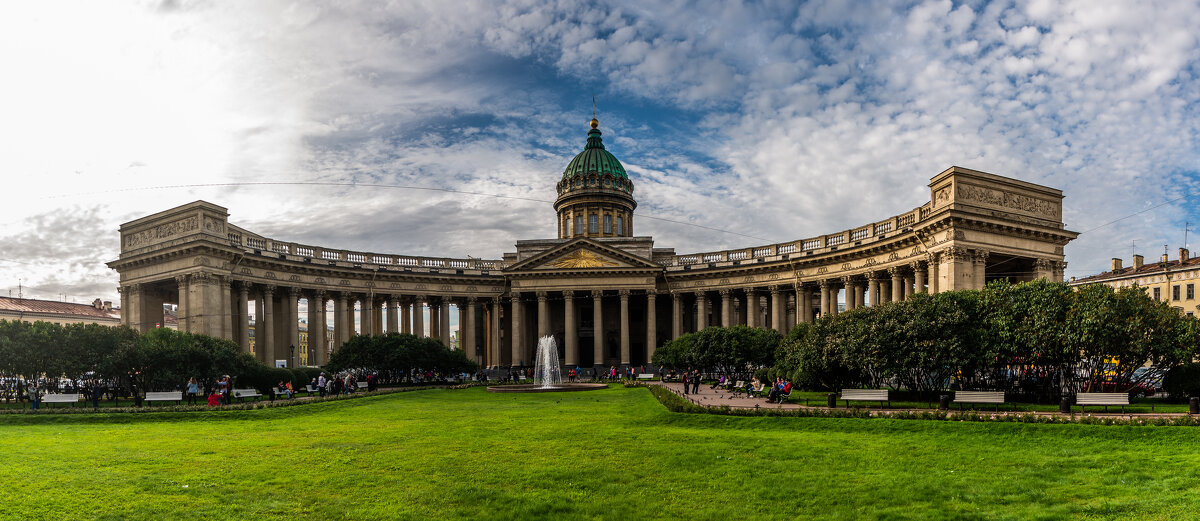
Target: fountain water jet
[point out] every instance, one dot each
(547, 374)
(546, 370)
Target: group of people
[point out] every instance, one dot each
(691, 379)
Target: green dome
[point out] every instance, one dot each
(594, 160)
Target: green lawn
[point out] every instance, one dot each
(611, 454)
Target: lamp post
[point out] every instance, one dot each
(291, 356)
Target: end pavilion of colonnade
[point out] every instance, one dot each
(608, 297)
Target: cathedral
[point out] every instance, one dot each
(607, 295)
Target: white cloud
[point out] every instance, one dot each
(778, 121)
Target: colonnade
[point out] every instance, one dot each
(267, 316)
(622, 326)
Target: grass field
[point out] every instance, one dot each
(610, 454)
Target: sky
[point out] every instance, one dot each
(768, 121)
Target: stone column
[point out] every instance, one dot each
(350, 331)
(340, 333)
(182, 312)
(597, 329)
(751, 307)
(919, 270)
(1043, 269)
(406, 317)
(897, 289)
(979, 263)
(497, 344)
(518, 332)
(873, 289)
(244, 316)
(260, 321)
(570, 330)
(908, 286)
(543, 315)
(393, 314)
(267, 328)
(226, 286)
(824, 285)
(848, 283)
(804, 311)
(931, 266)
(651, 324)
(445, 322)
(293, 325)
(726, 308)
(468, 332)
(701, 311)
(625, 354)
(366, 318)
(419, 316)
(778, 310)
(956, 270)
(676, 315)
(435, 317)
(316, 328)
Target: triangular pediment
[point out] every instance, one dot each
(582, 255)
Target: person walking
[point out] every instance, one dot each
(193, 390)
(696, 382)
(35, 396)
(321, 383)
(686, 381)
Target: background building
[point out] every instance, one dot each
(62, 313)
(1172, 281)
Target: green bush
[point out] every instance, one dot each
(1183, 382)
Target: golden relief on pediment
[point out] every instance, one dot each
(582, 259)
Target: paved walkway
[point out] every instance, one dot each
(718, 397)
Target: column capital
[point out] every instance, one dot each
(541, 296)
(514, 298)
(775, 290)
(699, 294)
(824, 284)
(418, 299)
(932, 257)
(496, 300)
(568, 294)
(597, 294)
(918, 265)
(1043, 264)
(724, 292)
(269, 289)
(181, 279)
(393, 300)
(319, 294)
(472, 300)
(875, 276)
(244, 285)
(980, 256)
(293, 292)
(623, 293)
(847, 280)
(895, 271)
(957, 253)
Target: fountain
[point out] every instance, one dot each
(547, 374)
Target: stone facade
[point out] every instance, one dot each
(608, 299)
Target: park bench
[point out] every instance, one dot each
(71, 398)
(165, 396)
(361, 385)
(310, 388)
(1105, 399)
(645, 376)
(242, 394)
(866, 395)
(996, 397)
